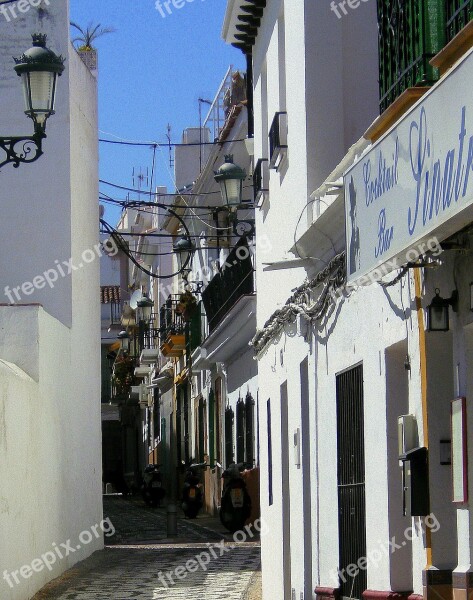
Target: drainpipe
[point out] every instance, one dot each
(423, 383)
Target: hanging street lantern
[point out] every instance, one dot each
(438, 311)
(124, 340)
(183, 248)
(39, 69)
(230, 177)
(145, 308)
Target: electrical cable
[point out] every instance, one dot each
(166, 144)
(121, 243)
(162, 195)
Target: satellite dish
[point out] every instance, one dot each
(134, 299)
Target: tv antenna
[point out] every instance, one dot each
(168, 136)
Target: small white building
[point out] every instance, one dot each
(50, 457)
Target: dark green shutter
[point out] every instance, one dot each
(212, 427)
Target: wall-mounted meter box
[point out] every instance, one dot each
(407, 434)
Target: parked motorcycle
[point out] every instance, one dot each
(192, 491)
(152, 489)
(235, 506)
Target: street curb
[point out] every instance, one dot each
(250, 593)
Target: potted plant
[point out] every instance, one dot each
(86, 40)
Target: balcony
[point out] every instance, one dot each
(459, 14)
(172, 330)
(277, 140)
(411, 32)
(235, 280)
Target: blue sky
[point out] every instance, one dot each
(152, 70)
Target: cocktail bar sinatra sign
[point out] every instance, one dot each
(415, 183)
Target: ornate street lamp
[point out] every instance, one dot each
(39, 69)
(124, 340)
(230, 177)
(145, 308)
(183, 248)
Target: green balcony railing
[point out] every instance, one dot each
(410, 33)
(459, 13)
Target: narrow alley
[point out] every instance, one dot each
(140, 562)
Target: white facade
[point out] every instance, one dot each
(323, 71)
(50, 449)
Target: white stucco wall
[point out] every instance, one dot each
(49, 447)
(50, 444)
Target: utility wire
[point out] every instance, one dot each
(166, 144)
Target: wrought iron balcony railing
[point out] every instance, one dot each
(459, 14)
(410, 33)
(235, 280)
(171, 320)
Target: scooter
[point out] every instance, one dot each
(152, 489)
(235, 506)
(192, 492)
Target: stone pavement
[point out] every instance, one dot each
(139, 563)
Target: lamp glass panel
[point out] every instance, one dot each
(232, 191)
(438, 318)
(39, 87)
(147, 310)
(182, 258)
(124, 341)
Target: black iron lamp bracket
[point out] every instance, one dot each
(244, 227)
(453, 301)
(195, 287)
(20, 150)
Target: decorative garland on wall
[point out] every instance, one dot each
(332, 278)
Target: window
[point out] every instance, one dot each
(240, 431)
(245, 430)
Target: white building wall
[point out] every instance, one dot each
(51, 450)
(51, 472)
(307, 46)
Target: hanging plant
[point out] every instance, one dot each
(123, 374)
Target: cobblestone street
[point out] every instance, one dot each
(139, 562)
